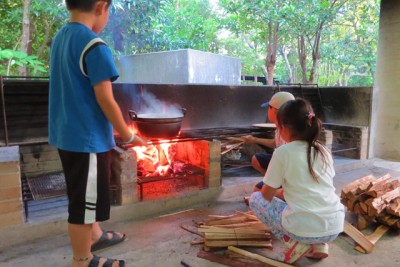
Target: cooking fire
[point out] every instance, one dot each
(157, 159)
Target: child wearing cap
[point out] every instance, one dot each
(260, 161)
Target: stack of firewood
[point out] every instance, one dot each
(374, 200)
(239, 229)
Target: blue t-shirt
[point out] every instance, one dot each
(78, 61)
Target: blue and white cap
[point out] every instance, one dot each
(278, 99)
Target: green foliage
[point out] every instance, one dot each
(129, 29)
(186, 24)
(348, 42)
(46, 17)
(239, 28)
(10, 59)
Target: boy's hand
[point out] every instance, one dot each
(248, 139)
(139, 141)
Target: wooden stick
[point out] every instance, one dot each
(225, 236)
(374, 237)
(231, 148)
(358, 237)
(239, 139)
(227, 221)
(258, 257)
(232, 230)
(197, 242)
(245, 243)
(184, 227)
(243, 224)
(248, 216)
(220, 216)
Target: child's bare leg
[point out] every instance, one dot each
(80, 236)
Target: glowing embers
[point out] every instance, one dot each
(157, 160)
(166, 169)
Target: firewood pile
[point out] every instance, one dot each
(374, 200)
(224, 238)
(239, 229)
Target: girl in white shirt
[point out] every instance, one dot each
(312, 215)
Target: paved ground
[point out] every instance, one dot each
(160, 240)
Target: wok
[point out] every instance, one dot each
(157, 125)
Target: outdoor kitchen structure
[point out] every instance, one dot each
(213, 112)
(360, 123)
(168, 167)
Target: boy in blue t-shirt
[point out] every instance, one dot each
(82, 115)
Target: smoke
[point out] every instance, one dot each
(155, 108)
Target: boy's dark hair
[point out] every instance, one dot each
(84, 5)
(299, 117)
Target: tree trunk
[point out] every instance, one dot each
(315, 53)
(118, 37)
(255, 74)
(272, 48)
(301, 50)
(26, 41)
(47, 37)
(285, 52)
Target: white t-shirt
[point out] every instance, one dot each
(313, 209)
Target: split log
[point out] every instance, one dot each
(356, 187)
(227, 260)
(387, 219)
(358, 237)
(381, 188)
(373, 199)
(394, 207)
(363, 222)
(258, 257)
(374, 237)
(380, 203)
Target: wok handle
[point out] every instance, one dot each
(183, 111)
(132, 115)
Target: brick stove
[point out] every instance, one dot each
(202, 160)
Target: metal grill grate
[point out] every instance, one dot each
(47, 186)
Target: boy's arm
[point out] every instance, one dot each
(105, 98)
(249, 139)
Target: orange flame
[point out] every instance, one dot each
(156, 159)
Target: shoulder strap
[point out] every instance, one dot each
(92, 44)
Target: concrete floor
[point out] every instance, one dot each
(155, 238)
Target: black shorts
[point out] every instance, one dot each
(263, 159)
(87, 178)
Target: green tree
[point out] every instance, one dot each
(129, 29)
(260, 19)
(28, 48)
(186, 24)
(355, 32)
